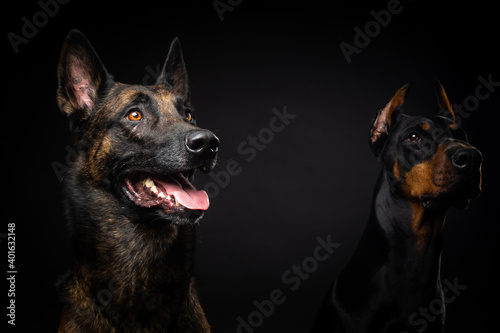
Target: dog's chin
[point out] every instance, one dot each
(188, 217)
(169, 197)
(465, 194)
(432, 203)
(460, 198)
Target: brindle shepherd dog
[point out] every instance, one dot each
(130, 205)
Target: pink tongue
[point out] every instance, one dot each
(185, 193)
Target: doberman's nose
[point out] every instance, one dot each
(466, 158)
(202, 142)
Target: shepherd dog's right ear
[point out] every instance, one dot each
(174, 73)
(82, 79)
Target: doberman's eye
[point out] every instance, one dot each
(414, 137)
(134, 115)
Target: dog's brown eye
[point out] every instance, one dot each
(134, 115)
(189, 115)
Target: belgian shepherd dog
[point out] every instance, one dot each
(130, 205)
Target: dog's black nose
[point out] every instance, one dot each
(465, 158)
(202, 142)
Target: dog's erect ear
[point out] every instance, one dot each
(386, 117)
(82, 77)
(174, 72)
(445, 108)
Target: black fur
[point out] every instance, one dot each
(427, 167)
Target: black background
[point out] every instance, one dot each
(313, 179)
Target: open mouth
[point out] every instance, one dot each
(172, 193)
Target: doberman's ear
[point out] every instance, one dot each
(386, 117)
(82, 77)
(445, 108)
(174, 72)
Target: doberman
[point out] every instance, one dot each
(428, 166)
(130, 204)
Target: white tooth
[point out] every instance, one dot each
(148, 182)
(162, 195)
(154, 189)
(176, 203)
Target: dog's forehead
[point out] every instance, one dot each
(122, 96)
(164, 95)
(429, 124)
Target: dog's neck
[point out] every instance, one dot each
(389, 260)
(411, 232)
(145, 256)
(136, 266)
(406, 217)
(389, 243)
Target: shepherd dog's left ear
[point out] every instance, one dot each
(174, 73)
(385, 118)
(445, 108)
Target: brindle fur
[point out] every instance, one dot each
(132, 267)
